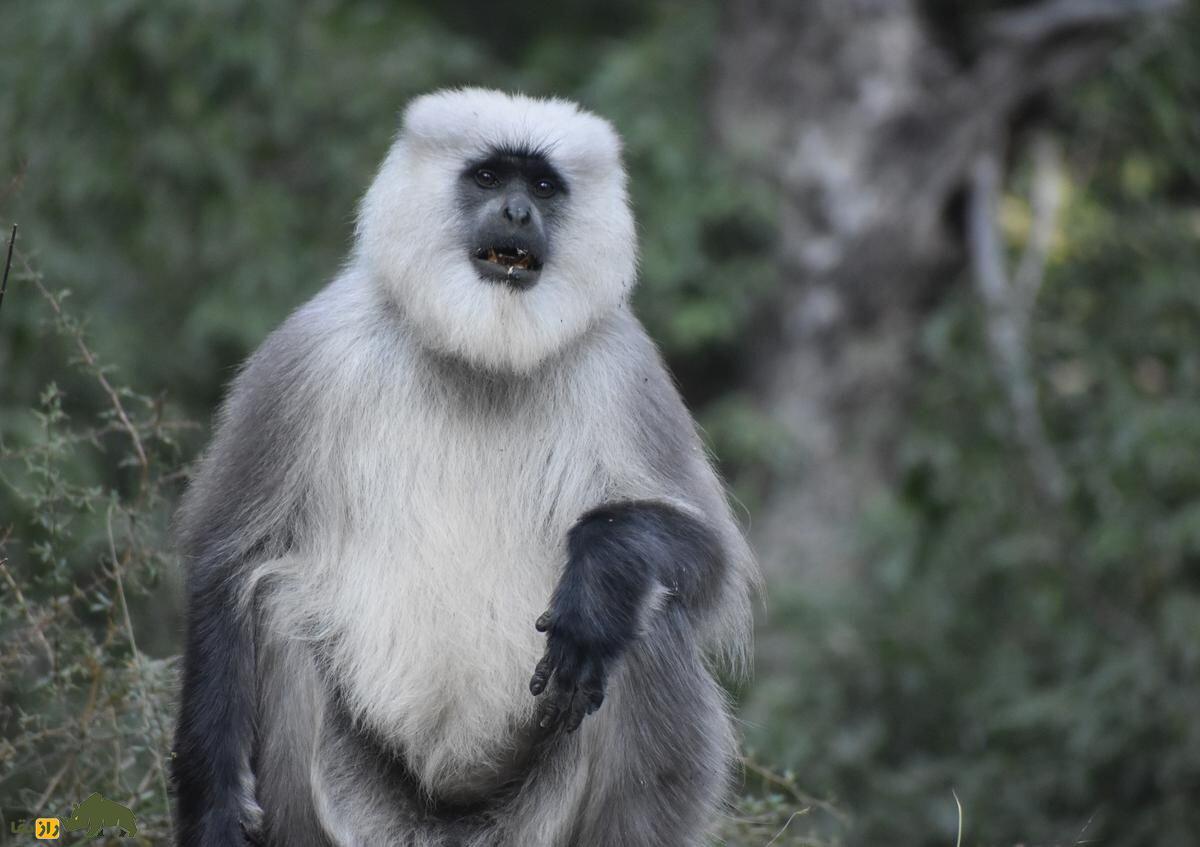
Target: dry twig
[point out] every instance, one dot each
(12, 240)
(118, 566)
(89, 359)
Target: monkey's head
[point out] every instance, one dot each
(500, 225)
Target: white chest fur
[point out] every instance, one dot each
(448, 534)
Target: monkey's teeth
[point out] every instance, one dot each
(519, 259)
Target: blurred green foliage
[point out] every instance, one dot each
(1043, 662)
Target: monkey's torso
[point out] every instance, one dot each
(439, 536)
(415, 570)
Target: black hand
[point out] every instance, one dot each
(578, 671)
(594, 614)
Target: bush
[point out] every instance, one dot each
(82, 708)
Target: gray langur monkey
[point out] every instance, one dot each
(459, 571)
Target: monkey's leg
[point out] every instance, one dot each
(292, 709)
(639, 577)
(215, 730)
(661, 752)
(651, 768)
(320, 780)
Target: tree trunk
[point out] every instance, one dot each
(869, 115)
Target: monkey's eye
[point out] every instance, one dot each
(544, 188)
(486, 178)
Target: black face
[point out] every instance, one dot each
(512, 201)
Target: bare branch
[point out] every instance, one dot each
(789, 785)
(1004, 325)
(1046, 200)
(1054, 17)
(118, 567)
(986, 252)
(35, 625)
(12, 240)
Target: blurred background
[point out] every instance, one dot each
(927, 271)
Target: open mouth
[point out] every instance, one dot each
(516, 266)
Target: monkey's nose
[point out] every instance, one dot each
(517, 211)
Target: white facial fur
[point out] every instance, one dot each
(412, 241)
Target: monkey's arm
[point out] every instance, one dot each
(235, 514)
(626, 562)
(675, 552)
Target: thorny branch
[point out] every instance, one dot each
(89, 359)
(35, 625)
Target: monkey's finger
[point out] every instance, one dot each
(543, 623)
(592, 685)
(575, 711)
(595, 700)
(568, 664)
(551, 710)
(586, 697)
(541, 675)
